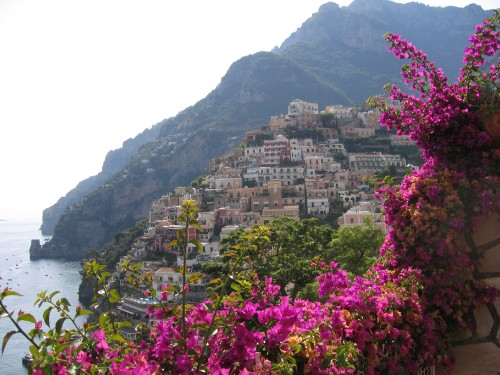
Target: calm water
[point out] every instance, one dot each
(29, 277)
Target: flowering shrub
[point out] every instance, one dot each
(457, 185)
(398, 318)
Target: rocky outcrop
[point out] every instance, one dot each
(86, 291)
(52, 251)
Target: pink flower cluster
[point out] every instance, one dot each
(366, 324)
(457, 184)
(445, 118)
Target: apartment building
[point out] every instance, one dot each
(334, 146)
(228, 183)
(340, 111)
(351, 131)
(295, 150)
(276, 151)
(370, 119)
(359, 214)
(319, 207)
(374, 162)
(299, 107)
(320, 164)
(271, 213)
(287, 175)
(293, 195)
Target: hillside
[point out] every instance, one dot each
(337, 56)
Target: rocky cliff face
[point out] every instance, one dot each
(115, 160)
(333, 58)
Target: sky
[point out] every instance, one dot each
(79, 77)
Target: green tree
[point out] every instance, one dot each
(296, 245)
(339, 157)
(328, 120)
(356, 248)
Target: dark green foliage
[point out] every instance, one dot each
(259, 140)
(110, 253)
(328, 120)
(412, 154)
(356, 248)
(292, 250)
(296, 245)
(295, 132)
(340, 157)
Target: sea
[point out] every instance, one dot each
(29, 277)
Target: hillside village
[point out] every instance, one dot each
(296, 166)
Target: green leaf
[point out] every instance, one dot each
(198, 244)
(195, 225)
(42, 294)
(65, 302)
(61, 347)
(114, 296)
(33, 351)
(215, 281)
(195, 277)
(9, 292)
(85, 312)
(53, 294)
(174, 243)
(6, 339)
(59, 325)
(116, 337)
(297, 349)
(230, 254)
(124, 324)
(103, 319)
(46, 316)
(26, 317)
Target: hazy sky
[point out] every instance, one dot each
(77, 78)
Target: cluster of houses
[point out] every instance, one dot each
(270, 175)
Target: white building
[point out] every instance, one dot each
(333, 145)
(287, 175)
(318, 206)
(340, 111)
(299, 107)
(295, 150)
(374, 162)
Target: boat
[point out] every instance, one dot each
(27, 359)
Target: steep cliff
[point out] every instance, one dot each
(115, 160)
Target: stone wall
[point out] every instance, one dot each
(479, 352)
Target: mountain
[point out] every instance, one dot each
(114, 161)
(338, 56)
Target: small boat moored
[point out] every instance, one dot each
(27, 359)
